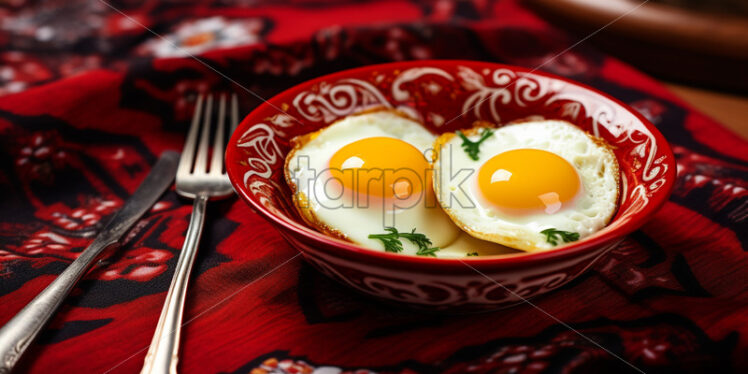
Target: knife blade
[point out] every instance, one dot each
(21, 330)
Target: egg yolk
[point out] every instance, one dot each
(380, 166)
(528, 179)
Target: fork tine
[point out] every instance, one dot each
(188, 153)
(234, 112)
(216, 164)
(201, 160)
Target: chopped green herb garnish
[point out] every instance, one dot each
(420, 240)
(552, 235)
(392, 241)
(428, 252)
(471, 254)
(473, 148)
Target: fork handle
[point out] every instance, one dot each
(163, 353)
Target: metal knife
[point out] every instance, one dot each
(21, 330)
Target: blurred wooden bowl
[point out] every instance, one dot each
(674, 43)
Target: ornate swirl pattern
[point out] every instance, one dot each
(265, 193)
(281, 121)
(339, 99)
(440, 292)
(260, 142)
(507, 86)
(410, 75)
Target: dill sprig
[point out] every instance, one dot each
(427, 251)
(392, 242)
(552, 236)
(473, 148)
(472, 254)
(420, 240)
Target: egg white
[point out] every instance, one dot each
(463, 201)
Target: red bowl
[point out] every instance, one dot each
(438, 92)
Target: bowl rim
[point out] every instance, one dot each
(347, 249)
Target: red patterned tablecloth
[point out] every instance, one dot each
(90, 98)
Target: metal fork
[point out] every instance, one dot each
(199, 181)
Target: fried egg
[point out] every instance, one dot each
(531, 185)
(367, 172)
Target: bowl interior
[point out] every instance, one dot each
(447, 96)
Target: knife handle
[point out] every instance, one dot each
(21, 330)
